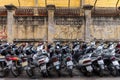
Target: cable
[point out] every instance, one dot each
(19, 2)
(69, 3)
(95, 6)
(45, 2)
(117, 5)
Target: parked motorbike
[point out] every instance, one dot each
(40, 60)
(56, 63)
(85, 64)
(13, 63)
(3, 70)
(68, 61)
(98, 63)
(111, 61)
(29, 65)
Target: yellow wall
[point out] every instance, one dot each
(15, 2)
(103, 3)
(59, 3)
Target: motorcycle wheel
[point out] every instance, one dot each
(58, 72)
(30, 72)
(101, 73)
(114, 72)
(88, 74)
(15, 71)
(70, 72)
(3, 72)
(44, 74)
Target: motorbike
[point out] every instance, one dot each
(85, 64)
(29, 64)
(98, 63)
(56, 63)
(86, 60)
(12, 61)
(14, 65)
(40, 60)
(3, 70)
(68, 60)
(111, 61)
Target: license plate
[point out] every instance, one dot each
(69, 63)
(100, 62)
(24, 63)
(56, 63)
(2, 56)
(115, 63)
(43, 67)
(89, 68)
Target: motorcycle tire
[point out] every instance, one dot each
(59, 73)
(30, 72)
(15, 71)
(89, 74)
(44, 74)
(70, 72)
(115, 72)
(101, 73)
(3, 73)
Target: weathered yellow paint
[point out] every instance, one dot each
(60, 3)
(103, 3)
(67, 32)
(15, 2)
(106, 32)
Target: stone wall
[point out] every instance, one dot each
(67, 24)
(106, 28)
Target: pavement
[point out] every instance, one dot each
(65, 76)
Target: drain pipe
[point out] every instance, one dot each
(95, 5)
(45, 2)
(117, 5)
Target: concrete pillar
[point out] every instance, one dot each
(87, 13)
(50, 28)
(82, 3)
(36, 8)
(10, 22)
